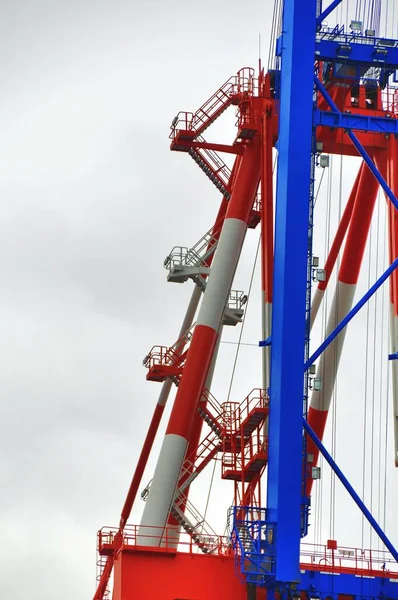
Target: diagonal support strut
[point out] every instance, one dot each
(350, 489)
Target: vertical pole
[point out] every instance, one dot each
(290, 284)
(202, 346)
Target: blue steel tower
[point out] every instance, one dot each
(331, 93)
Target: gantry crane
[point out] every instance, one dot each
(331, 92)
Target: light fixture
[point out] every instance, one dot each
(356, 25)
(316, 472)
(324, 161)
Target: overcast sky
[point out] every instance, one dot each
(91, 203)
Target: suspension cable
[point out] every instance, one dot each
(365, 411)
(375, 305)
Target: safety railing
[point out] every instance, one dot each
(181, 122)
(242, 84)
(390, 100)
(231, 462)
(169, 356)
(212, 404)
(256, 447)
(195, 256)
(160, 355)
(257, 398)
(193, 465)
(312, 556)
(229, 416)
(237, 299)
(236, 413)
(101, 562)
(337, 34)
(323, 557)
(166, 540)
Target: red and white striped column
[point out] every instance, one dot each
(341, 305)
(335, 249)
(202, 346)
(173, 528)
(157, 416)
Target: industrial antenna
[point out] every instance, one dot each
(328, 90)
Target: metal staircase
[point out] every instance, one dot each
(253, 541)
(213, 166)
(194, 524)
(232, 426)
(183, 263)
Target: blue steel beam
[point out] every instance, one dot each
(344, 322)
(290, 277)
(324, 15)
(366, 512)
(371, 52)
(327, 118)
(361, 150)
(325, 585)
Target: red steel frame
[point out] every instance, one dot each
(244, 436)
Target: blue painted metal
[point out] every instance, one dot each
(302, 41)
(253, 539)
(305, 501)
(393, 356)
(327, 118)
(344, 322)
(324, 585)
(289, 294)
(266, 342)
(352, 50)
(350, 490)
(361, 150)
(327, 11)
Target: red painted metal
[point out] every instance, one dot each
(340, 233)
(241, 437)
(179, 573)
